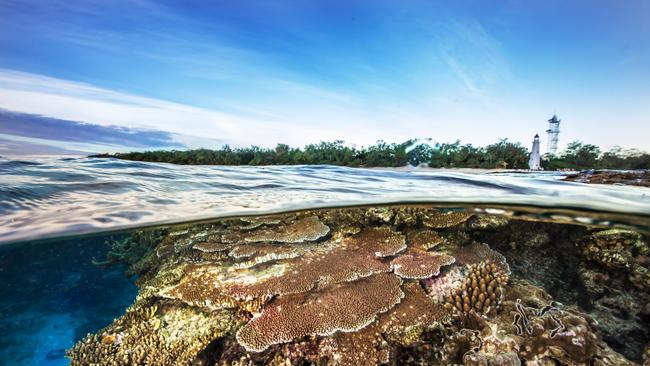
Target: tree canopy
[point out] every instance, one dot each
(502, 154)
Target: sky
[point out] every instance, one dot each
(298, 72)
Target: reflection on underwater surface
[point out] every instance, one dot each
(396, 285)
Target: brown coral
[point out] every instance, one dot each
(355, 257)
(199, 287)
(482, 289)
(406, 321)
(420, 264)
(262, 253)
(211, 246)
(365, 347)
(424, 239)
(306, 229)
(435, 219)
(480, 252)
(142, 337)
(343, 307)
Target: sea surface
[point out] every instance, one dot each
(51, 197)
(60, 216)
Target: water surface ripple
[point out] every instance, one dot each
(44, 197)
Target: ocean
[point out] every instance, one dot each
(104, 261)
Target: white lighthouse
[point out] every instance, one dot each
(533, 162)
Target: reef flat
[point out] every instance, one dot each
(628, 178)
(384, 285)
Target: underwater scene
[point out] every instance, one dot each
(324, 183)
(415, 284)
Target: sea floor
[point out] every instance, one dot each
(51, 295)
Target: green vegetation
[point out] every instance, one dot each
(502, 154)
(579, 156)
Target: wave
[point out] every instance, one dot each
(48, 197)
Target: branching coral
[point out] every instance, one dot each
(343, 307)
(481, 291)
(143, 338)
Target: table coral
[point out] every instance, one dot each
(355, 257)
(408, 319)
(199, 287)
(435, 219)
(343, 307)
(301, 230)
(417, 264)
(423, 239)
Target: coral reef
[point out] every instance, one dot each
(423, 239)
(441, 220)
(417, 264)
(482, 289)
(614, 248)
(345, 307)
(408, 285)
(301, 230)
(141, 337)
(354, 257)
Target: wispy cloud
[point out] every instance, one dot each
(475, 57)
(57, 98)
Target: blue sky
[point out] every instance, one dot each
(297, 72)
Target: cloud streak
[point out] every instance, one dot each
(63, 99)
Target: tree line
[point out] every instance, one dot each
(503, 154)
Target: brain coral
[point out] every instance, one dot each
(344, 307)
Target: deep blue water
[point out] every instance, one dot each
(51, 296)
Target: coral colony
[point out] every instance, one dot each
(355, 286)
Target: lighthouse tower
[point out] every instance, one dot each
(533, 162)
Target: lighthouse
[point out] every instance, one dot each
(533, 162)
